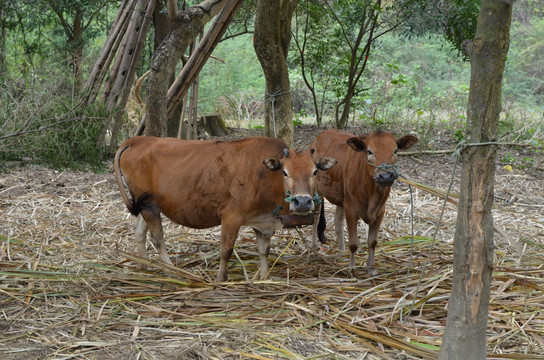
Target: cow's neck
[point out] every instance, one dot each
(377, 201)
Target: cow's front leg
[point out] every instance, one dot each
(372, 241)
(229, 232)
(263, 245)
(353, 242)
(339, 221)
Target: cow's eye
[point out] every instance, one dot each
(396, 151)
(370, 153)
(285, 173)
(315, 172)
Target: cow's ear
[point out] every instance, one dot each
(356, 144)
(326, 163)
(406, 142)
(273, 164)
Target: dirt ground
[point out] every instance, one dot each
(70, 285)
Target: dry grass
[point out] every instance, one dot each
(70, 286)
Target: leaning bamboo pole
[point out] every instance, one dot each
(197, 60)
(92, 87)
(132, 58)
(129, 49)
(191, 69)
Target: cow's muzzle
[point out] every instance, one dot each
(385, 178)
(385, 174)
(301, 204)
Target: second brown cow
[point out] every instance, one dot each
(359, 184)
(201, 184)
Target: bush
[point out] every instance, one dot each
(47, 127)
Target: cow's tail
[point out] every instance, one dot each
(121, 181)
(322, 225)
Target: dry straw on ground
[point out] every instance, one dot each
(70, 286)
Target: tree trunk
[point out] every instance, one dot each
(77, 51)
(358, 63)
(163, 24)
(2, 43)
(465, 334)
(192, 118)
(272, 37)
(190, 71)
(189, 23)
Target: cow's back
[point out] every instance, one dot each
(196, 183)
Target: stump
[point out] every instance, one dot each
(213, 125)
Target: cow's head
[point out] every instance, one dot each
(299, 178)
(380, 149)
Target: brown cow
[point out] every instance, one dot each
(359, 185)
(200, 184)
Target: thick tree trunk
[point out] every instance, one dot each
(272, 37)
(465, 334)
(196, 61)
(189, 23)
(163, 24)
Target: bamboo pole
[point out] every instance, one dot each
(133, 57)
(110, 46)
(197, 60)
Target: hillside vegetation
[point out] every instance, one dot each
(417, 84)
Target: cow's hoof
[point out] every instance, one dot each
(372, 272)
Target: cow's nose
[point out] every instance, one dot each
(302, 204)
(386, 178)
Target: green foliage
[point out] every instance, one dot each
(45, 126)
(226, 82)
(41, 33)
(524, 72)
(411, 83)
(454, 20)
(75, 143)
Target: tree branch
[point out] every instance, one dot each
(173, 10)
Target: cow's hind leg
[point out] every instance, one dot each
(152, 217)
(353, 242)
(318, 227)
(263, 245)
(339, 221)
(140, 233)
